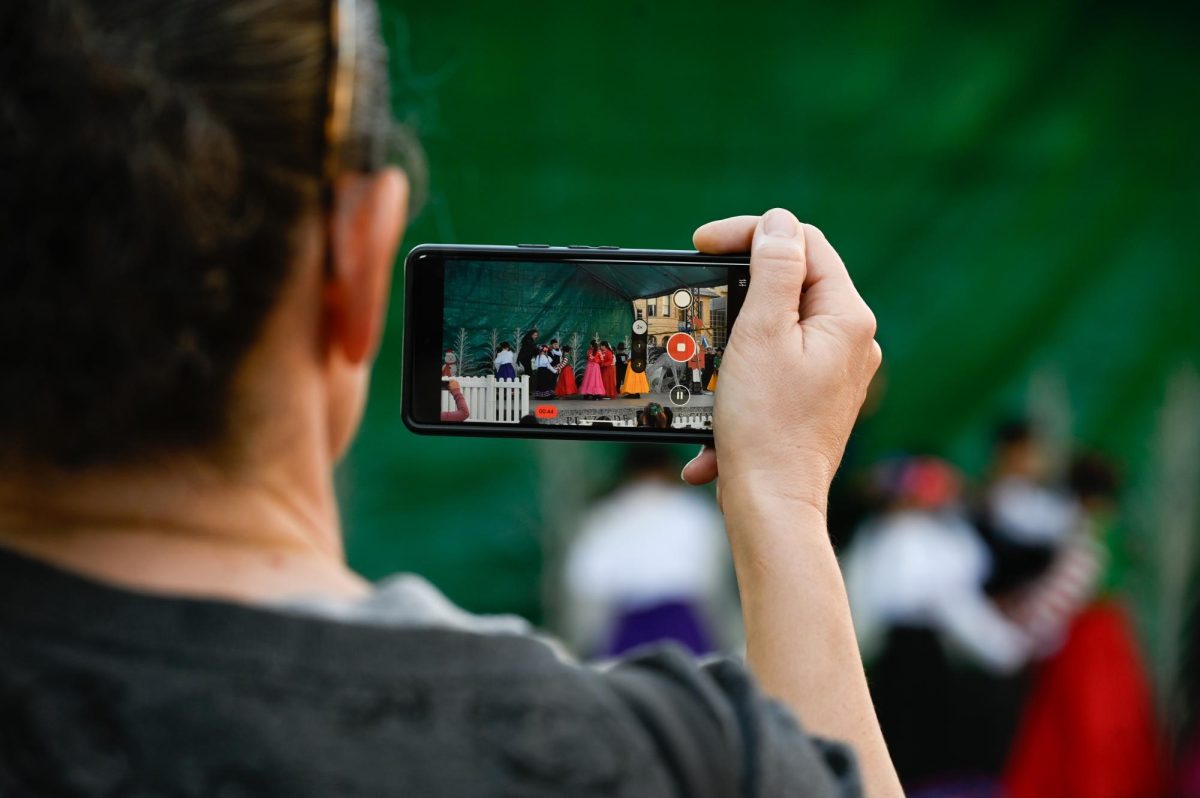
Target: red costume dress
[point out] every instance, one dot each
(608, 372)
(1089, 729)
(566, 379)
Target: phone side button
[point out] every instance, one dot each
(534, 246)
(578, 246)
(606, 247)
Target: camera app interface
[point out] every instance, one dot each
(586, 344)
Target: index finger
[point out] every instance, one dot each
(828, 289)
(832, 290)
(736, 234)
(726, 236)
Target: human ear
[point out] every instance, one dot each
(367, 225)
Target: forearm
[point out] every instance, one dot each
(462, 413)
(800, 641)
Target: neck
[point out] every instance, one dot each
(264, 530)
(188, 527)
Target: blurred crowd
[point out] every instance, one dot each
(1002, 657)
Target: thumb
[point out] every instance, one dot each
(778, 268)
(703, 467)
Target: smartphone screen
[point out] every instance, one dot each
(566, 341)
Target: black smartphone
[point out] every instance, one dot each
(536, 341)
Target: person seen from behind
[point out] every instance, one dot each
(200, 216)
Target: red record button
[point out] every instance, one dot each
(681, 347)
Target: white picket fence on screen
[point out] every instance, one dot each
(616, 422)
(490, 399)
(701, 422)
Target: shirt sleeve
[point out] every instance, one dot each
(719, 736)
(462, 413)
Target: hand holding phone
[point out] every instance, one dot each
(790, 378)
(779, 440)
(784, 427)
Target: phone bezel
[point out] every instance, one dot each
(423, 299)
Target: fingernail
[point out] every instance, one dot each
(689, 462)
(779, 223)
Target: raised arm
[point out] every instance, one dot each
(780, 433)
(461, 412)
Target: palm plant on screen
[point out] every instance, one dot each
(463, 352)
(577, 354)
(518, 336)
(490, 355)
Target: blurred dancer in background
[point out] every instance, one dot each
(1023, 515)
(1089, 729)
(650, 564)
(944, 659)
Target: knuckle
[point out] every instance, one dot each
(874, 356)
(870, 323)
(863, 323)
(779, 251)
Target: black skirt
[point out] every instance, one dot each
(543, 383)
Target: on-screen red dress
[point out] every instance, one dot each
(608, 372)
(566, 379)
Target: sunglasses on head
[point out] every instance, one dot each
(340, 57)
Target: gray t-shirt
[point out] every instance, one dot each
(106, 692)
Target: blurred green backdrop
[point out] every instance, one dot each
(1013, 186)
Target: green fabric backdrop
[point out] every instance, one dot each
(1013, 186)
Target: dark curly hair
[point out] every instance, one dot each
(157, 158)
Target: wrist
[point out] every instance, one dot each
(796, 488)
(760, 510)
